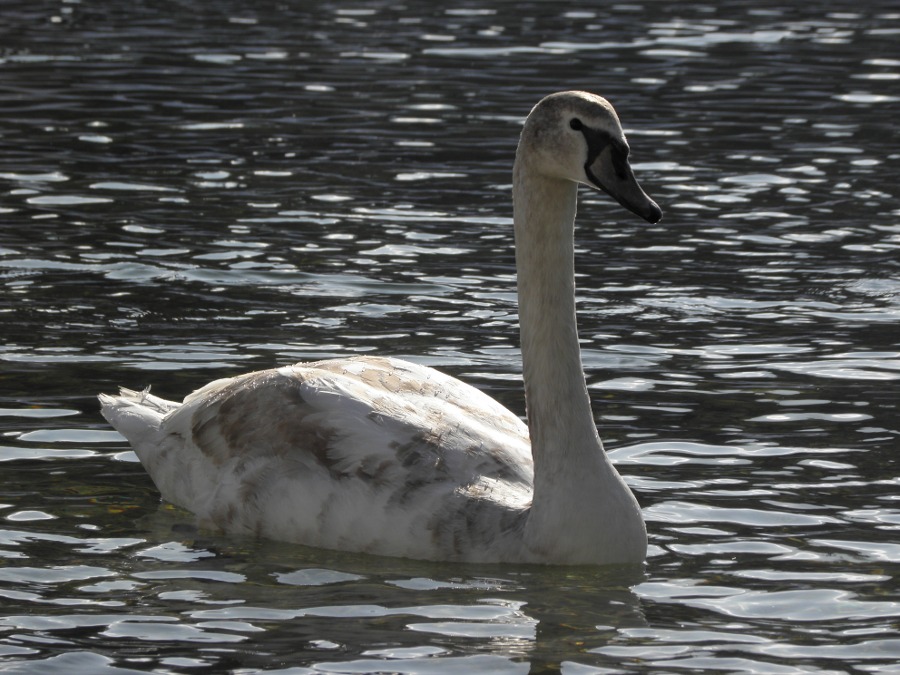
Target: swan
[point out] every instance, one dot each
(383, 456)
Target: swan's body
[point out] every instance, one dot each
(384, 456)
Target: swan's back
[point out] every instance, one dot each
(365, 454)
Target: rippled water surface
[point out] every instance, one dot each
(192, 190)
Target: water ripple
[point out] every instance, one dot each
(198, 193)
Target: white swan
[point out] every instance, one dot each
(384, 456)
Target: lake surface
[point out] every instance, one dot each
(193, 190)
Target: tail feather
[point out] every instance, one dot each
(135, 414)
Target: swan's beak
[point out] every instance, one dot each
(611, 172)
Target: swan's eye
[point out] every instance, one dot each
(576, 124)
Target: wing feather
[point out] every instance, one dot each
(365, 453)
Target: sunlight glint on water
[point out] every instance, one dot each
(195, 193)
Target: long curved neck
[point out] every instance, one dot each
(563, 435)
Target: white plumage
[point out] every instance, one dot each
(388, 457)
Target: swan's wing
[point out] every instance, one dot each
(461, 432)
(336, 452)
(360, 416)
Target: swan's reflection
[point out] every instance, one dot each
(344, 611)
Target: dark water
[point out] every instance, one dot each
(192, 190)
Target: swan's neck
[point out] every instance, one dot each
(560, 420)
(581, 507)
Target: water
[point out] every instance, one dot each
(194, 191)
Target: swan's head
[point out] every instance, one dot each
(576, 136)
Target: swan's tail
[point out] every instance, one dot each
(142, 419)
(135, 414)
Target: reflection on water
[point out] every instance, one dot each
(210, 189)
